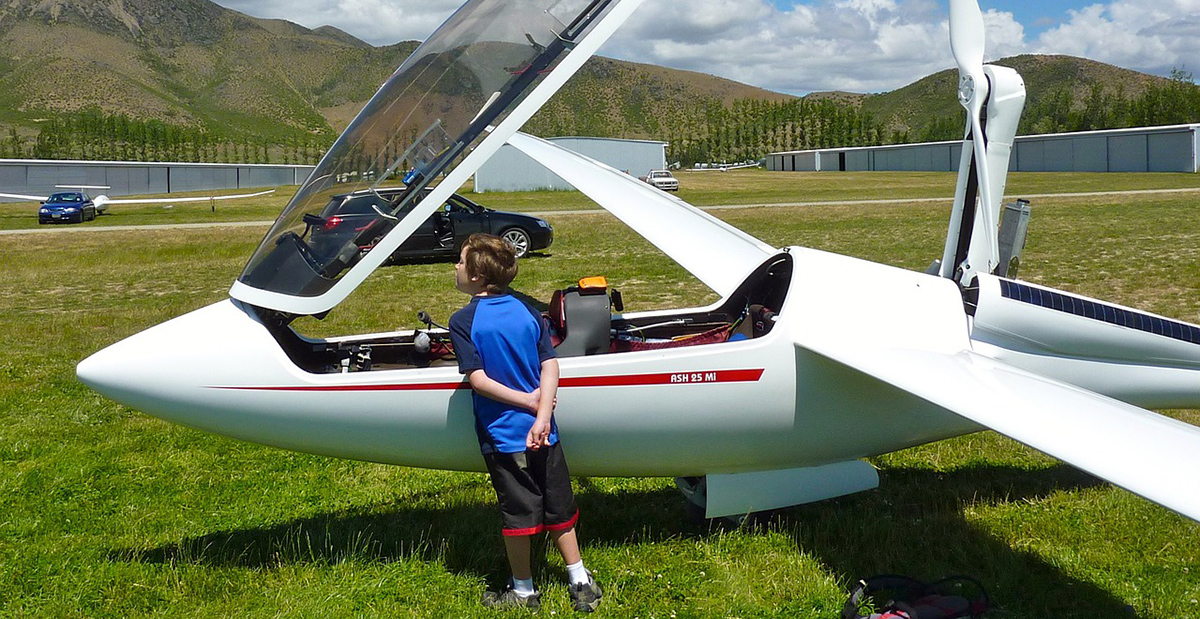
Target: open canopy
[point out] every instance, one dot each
(449, 98)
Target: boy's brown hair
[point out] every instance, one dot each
(491, 259)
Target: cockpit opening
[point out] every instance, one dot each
(438, 107)
(581, 323)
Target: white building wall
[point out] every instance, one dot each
(1146, 149)
(511, 170)
(1195, 149)
(39, 177)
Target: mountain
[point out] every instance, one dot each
(188, 62)
(194, 63)
(251, 81)
(933, 100)
(626, 99)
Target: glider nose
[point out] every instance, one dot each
(95, 372)
(167, 370)
(130, 370)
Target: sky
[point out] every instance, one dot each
(802, 46)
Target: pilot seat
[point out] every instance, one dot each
(580, 318)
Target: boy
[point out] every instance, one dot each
(504, 349)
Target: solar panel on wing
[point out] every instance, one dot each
(1098, 311)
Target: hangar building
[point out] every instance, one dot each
(511, 170)
(39, 176)
(1174, 148)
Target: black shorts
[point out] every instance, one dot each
(533, 489)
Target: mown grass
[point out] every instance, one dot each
(23, 215)
(109, 513)
(707, 188)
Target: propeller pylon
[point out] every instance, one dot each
(967, 37)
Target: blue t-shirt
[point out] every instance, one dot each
(507, 339)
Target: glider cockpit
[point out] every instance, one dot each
(581, 323)
(463, 93)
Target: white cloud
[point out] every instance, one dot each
(860, 45)
(1147, 35)
(877, 45)
(813, 45)
(1005, 35)
(869, 9)
(379, 22)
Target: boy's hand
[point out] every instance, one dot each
(539, 435)
(535, 400)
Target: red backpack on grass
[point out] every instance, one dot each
(908, 598)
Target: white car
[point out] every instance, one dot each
(661, 179)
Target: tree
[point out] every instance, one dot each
(16, 145)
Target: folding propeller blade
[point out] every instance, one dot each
(967, 36)
(967, 44)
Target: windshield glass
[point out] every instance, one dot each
(468, 75)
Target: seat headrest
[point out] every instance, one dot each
(592, 285)
(556, 313)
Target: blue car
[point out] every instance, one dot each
(67, 207)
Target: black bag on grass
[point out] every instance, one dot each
(903, 597)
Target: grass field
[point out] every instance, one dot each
(109, 513)
(709, 188)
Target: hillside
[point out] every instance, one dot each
(931, 103)
(189, 79)
(626, 99)
(189, 62)
(192, 62)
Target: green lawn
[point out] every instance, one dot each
(709, 188)
(109, 513)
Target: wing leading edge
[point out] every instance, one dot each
(108, 200)
(1148, 454)
(21, 196)
(105, 200)
(717, 253)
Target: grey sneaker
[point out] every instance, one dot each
(586, 597)
(509, 598)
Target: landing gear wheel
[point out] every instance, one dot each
(519, 239)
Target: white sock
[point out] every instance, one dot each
(577, 573)
(523, 587)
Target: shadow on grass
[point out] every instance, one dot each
(912, 525)
(465, 538)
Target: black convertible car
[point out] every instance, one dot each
(441, 235)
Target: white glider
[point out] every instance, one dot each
(769, 397)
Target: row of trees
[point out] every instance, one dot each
(745, 130)
(750, 128)
(1176, 101)
(94, 135)
(707, 132)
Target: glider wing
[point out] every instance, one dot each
(717, 253)
(107, 200)
(19, 196)
(1148, 454)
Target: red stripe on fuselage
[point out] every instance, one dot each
(626, 380)
(664, 378)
